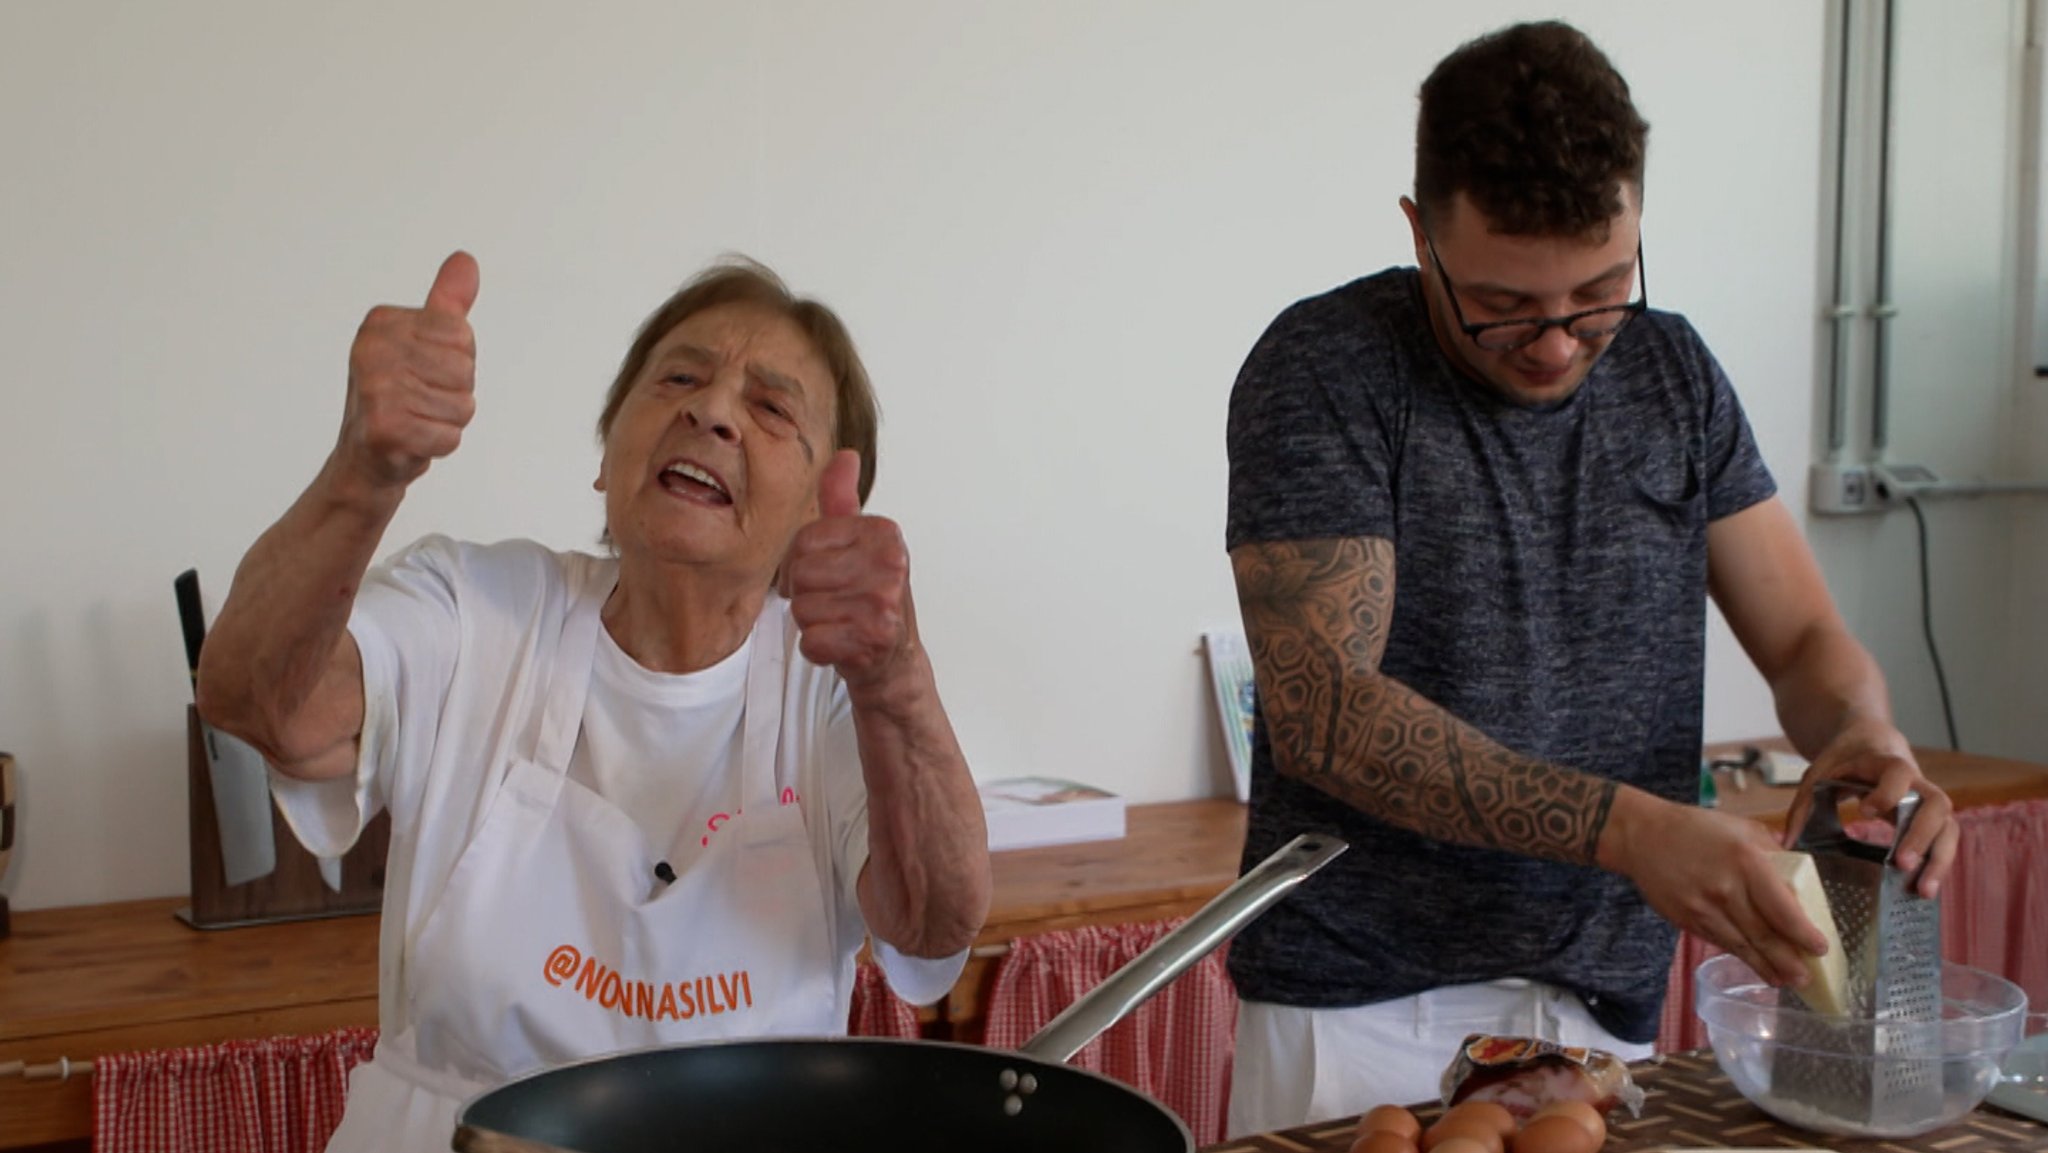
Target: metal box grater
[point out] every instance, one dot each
(1880, 1067)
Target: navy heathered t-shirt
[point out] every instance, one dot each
(1551, 575)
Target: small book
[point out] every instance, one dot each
(1230, 672)
(1026, 812)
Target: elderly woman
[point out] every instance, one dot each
(655, 797)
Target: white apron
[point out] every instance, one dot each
(554, 940)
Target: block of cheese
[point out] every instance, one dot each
(1827, 985)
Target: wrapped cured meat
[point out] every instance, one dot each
(1524, 1074)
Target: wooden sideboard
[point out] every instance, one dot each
(1970, 781)
(81, 981)
(78, 982)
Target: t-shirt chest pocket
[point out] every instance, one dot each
(1652, 527)
(1671, 488)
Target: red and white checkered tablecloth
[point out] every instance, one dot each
(280, 1095)
(877, 1010)
(1176, 1047)
(285, 1094)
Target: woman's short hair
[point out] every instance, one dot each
(739, 280)
(1536, 126)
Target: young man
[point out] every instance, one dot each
(1509, 735)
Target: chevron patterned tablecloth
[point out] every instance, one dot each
(1689, 1104)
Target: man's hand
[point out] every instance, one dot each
(1710, 874)
(411, 383)
(1830, 693)
(848, 578)
(1877, 754)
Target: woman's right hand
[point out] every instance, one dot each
(411, 383)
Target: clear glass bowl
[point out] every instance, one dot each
(1842, 1076)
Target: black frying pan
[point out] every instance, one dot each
(853, 1094)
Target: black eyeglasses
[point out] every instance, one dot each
(1509, 335)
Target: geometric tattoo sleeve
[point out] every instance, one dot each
(1316, 615)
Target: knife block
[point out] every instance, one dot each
(294, 891)
(6, 830)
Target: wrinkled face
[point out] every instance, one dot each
(1498, 277)
(714, 457)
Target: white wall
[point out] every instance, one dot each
(1955, 220)
(1056, 228)
(2027, 641)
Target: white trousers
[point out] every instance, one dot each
(1297, 1066)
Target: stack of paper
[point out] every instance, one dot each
(1024, 812)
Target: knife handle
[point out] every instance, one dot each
(192, 617)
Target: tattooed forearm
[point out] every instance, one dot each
(1316, 614)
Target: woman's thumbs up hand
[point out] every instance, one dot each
(411, 382)
(848, 578)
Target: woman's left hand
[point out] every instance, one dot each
(1877, 754)
(925, 887)
(848, 581)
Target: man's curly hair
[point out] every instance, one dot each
(1534, 125)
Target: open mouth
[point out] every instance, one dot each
(695, 482)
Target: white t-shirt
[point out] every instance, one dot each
(664, 748)
(457, 640)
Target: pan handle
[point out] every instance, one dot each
(1195, 938)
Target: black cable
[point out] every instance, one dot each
(1948, 712)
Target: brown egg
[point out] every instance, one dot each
(1382, 1141)
(1479, 1130)
(1491, 1113)
(1462, 1143)
(1587, 1116)
(1555, 1134)
(1391, 1119)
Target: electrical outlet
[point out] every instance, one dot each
(1842, 489)
(1897, 483)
